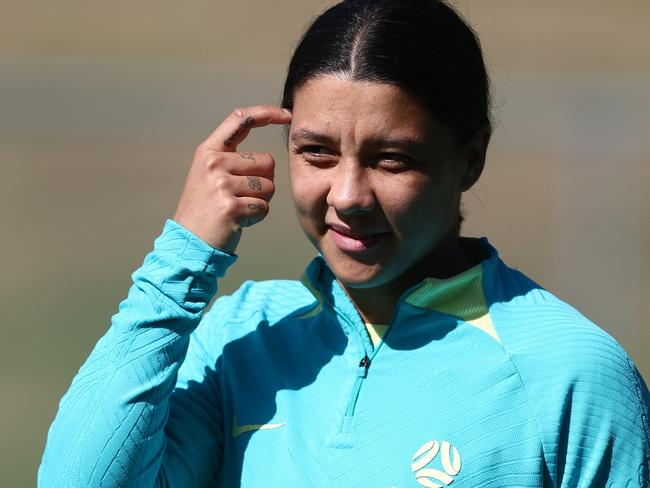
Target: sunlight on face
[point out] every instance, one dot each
(376, 181)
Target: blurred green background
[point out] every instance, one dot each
(102, 105)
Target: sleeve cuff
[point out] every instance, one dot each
(184, 267)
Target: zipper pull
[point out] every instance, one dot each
(364, 364)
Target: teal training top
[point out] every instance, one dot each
(481, 380)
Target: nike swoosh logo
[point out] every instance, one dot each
(238, 430)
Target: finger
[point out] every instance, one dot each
(253, 164)
(252, 211)
(232, 131)
(243, 163)
(253, 186)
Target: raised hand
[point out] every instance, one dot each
(226, 190)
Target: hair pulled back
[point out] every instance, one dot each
(421, 46)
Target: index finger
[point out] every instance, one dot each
(232, 131)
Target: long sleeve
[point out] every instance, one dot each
(114, 427)
(604, 434)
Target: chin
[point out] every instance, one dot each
(355, 274)
(363, 270)
(358, 281)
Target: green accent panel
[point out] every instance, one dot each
(461, 295)
(304, 279)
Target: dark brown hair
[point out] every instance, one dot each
(421, 46)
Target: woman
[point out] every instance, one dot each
(406, 355)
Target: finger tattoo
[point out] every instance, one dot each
(245, 125)
(254, 183)
(247, 155)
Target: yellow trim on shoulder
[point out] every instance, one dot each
(485, 324)
(461, 296)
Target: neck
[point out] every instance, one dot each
(377, 305)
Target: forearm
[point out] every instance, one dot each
(110, 424)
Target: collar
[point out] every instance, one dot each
(462, 296)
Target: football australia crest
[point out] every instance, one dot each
(436, 464)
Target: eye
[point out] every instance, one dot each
(315, 150)
(317, 155)
(394, 161)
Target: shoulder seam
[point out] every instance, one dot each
(532, 407)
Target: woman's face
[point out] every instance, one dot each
(376, 181)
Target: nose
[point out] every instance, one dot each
(350, 189)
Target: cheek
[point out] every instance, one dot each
(403, 196)
(418, 207)
(308, 191)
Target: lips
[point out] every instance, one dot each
(349, 240)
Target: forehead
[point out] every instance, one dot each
(343, 108)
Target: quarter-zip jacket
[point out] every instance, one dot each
(484, 379)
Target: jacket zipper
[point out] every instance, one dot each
(364, 364)
(362, 372)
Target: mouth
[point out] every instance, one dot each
(352, 240)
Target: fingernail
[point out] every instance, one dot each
(287, 111)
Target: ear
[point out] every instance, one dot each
(475, 155)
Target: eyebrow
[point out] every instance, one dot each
(402, 142)
(310, 135)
